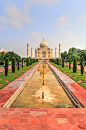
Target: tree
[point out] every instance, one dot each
(82, 67)
(22, 63)
(74, 65)
(69, 63)
(30, 61)
(36, 60)
(63, 62)
(57, 61)
(27, 63)
(18, 64)
(6, 66)
(60, 61)
(13, 64)
(64, 54)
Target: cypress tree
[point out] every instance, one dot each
(63, 62)
(69, 63)
(27, 62)
(22, 63)
(30, 61)
(57, 61)
(18, 64)
(13, 64)
(60, 61)
(74, 65)
(82, 67)
(6, 66)
(34, 60)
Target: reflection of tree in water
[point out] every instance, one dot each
(46, 69)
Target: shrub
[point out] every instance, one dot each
(82, 67)
(1, 62)
(69, 63)
(63, 62)
(30, 61)
(22, 63)
(74, 65)
(13, 64)
(27, 63)
(36, 60)
(18, 64)
(55, 61)
(6, 66)
(60, 60)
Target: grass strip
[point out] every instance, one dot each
(12, 76)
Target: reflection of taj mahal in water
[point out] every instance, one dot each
(43, 51)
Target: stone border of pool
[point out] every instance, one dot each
(75, 92)
(9, 93)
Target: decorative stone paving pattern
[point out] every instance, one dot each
(11, 88)
(75, 88)
(42, 119)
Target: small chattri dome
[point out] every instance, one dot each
(43, 44)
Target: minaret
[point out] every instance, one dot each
(31, 52)
(27, 50)
(55, 52)
(59, 51)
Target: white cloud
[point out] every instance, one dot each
(82, 19)
(35, 35)
(26, 9)
(67, 33)
(62, 22)
(11, 22)
(14, 16)
(46, 2)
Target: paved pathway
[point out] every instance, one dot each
(40, 118)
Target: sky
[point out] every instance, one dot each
(29, 21)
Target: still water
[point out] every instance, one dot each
(32, 95)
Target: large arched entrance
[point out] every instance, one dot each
(43, 54)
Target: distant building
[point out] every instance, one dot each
(2, 50)
(85, 49)
(44, 51)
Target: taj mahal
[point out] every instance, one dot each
(44, 51)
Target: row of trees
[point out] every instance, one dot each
(28, 61)
(9, 55)
(74, 53)
(61, 62)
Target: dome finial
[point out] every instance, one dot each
(43, 39)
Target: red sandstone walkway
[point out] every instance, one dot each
(39, 118)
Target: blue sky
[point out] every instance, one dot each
(29, 21)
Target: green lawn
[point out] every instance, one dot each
(77, 77)
(1, 66)
(12, 76)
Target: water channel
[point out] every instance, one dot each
(43, 94)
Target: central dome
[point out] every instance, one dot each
(43, 44)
